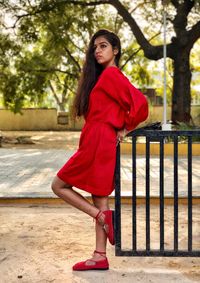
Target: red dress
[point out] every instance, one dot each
(114, 104)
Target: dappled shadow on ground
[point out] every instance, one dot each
(29, 172)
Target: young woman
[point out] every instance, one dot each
(112, 107)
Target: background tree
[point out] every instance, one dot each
(184, 17)
(45, 61)
(51, 42)
(83, 16)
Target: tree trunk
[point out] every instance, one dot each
(181, 96)
(62, 106)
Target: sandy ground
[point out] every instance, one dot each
(41, 139)
(41, 243)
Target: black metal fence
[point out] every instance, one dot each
(159, 136)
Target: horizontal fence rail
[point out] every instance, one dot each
(161, 137)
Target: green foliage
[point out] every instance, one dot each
(195, 68)
(42, 55)
(138, 69)
(13, 99)
(52, 44)
(52, 39)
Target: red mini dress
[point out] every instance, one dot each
(114, 104)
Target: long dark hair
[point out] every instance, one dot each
(91, 71)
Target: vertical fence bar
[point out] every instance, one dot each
(175, 193)
(117, 203)
(189, 193)
(161, 194)
(134, 231)
(158, 135)
(147, 194)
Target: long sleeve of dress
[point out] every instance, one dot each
(117, 86)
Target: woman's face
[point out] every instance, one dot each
(104, 52)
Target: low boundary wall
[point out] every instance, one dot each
(33, 119)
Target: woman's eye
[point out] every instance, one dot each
(102, 46)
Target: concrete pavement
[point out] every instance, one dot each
(29, 172)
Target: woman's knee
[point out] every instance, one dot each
(57, 185)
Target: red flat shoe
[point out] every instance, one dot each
(98, 265)
(109, 225)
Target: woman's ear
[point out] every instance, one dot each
(115, 50)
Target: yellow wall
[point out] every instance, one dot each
(31, 119)
(156, 114)
(47, 119)
(126, 148)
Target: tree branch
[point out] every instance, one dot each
(54, 93)
(150, 51)
(48, 8)
(194, 34)
(175, 3)
(180, 22)
(72, 58)
(51, 70)
(180, 19)
(130, 20)
(130, 57)
(92, 3)
(64, 92)
(189, 4)
(134, 53)
(76, 46)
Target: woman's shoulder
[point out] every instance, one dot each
(116, 75)
(112, 73)
(111, 70)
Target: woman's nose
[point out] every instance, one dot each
(97, 50)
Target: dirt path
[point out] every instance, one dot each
(41, 243)
(41, 139)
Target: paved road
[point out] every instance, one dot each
(29, 172)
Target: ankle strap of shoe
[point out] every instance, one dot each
(98, 214)
(101, 253)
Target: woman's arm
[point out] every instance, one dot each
(130, 99)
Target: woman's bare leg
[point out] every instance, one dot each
(101, 239)
(70, 196)
(65, 192)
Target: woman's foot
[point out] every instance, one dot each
(106, 219)
(99, 261)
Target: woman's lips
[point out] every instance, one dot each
(98, 57)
